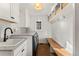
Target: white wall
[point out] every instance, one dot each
(63, 28)
(62, 32)
(45, 31)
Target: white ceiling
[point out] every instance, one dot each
(46, 8)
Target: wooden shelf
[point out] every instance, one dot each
(57, 11)
(53, 44)
(60, 51)
(5, 20)
(52, 12)
(63, 5)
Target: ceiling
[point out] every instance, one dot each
(46, 8)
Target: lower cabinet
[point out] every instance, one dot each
(19, 51)
(29, 45)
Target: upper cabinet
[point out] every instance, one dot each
(27, 18)
(24, 16)
(14, 11)
(8, 12)
(4, 11)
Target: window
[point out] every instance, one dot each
(38, 25)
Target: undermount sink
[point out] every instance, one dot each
(18, 37)
(10, 44)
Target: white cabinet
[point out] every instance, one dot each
(9, 12)
(5, 11)
(27, 18)
(29, 46)
(14, 11)
(21, 50)
(24, 16)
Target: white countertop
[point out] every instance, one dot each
(11, 44)
(25, 34)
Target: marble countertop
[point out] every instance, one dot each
(11, 44)
(25, 34)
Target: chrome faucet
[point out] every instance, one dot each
(5, 37)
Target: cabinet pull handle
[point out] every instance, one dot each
(12, 17)
(22, 50)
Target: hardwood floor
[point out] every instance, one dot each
(43, 50)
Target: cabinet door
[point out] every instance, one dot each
(14, 14)
(21, 50)
(24, 17)
(27, 18)
(29, 46)
(24, 50)
(4, 11)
